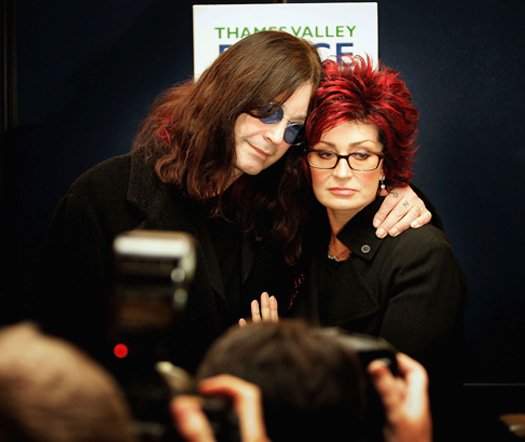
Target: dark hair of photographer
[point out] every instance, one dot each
(313, 386)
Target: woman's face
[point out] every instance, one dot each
(259, 145)
(343, 191)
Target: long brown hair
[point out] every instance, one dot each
(190, 128)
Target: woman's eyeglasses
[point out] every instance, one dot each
(359, 161)
(273, 114)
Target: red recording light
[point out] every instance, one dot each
(120, 351)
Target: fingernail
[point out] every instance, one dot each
(377, 223)
(415, 225)
(375, 368)
(381, 233)
(393, 232)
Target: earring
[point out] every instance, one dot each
(383, 187)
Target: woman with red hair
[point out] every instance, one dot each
(409, 289)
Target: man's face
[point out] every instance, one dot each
(259, 145)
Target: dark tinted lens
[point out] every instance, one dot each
(293, 134)
(270, 115)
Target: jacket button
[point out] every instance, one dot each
(365, 248)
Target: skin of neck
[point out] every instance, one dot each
(337, 221)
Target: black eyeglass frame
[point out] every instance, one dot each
(379, 156)
(296, 130)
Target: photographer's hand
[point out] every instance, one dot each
(405, 399)
(189, 419)
(192, 424)
(266, 311)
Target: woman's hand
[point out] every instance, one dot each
(405, 399)
(401, 209)
(192, 424)
(265, 312)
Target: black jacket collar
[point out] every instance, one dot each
(359, 233)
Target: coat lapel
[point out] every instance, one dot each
(248, 256)
(346, 297)
(166, 209)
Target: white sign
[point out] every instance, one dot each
(338, 29)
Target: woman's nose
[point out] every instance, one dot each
(342, 168)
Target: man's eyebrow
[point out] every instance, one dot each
(301, 118)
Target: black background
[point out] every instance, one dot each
(86, 72)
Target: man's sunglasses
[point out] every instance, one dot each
(273, 114)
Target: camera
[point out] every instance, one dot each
(368, 348)
(154, 273)
(371, 348)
